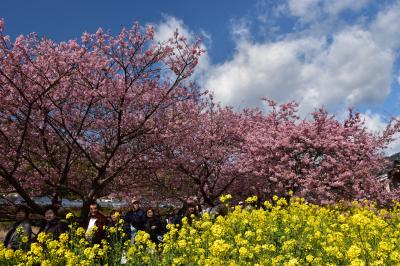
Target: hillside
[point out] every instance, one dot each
(394, 157)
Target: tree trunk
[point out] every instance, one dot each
(85, 210)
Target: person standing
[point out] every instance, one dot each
(95, 224)
(135, 219)
(115, 228)
(189, 209)
(20, 235)
(52, 225)
(113, 218)
(154, 226)
(170, 216)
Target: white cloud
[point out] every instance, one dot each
(257, 70)
(240, 30)
(385, 28)
(310, 10)
(305, 9)
(166, 29)
(334, 67)
(350, 70)
(394, 147)
(376, 123)
(337, 6)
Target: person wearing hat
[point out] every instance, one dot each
(135, 219)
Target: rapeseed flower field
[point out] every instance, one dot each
(280, 232)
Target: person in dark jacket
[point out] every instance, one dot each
(115, 228)
(98, 220)
(135, 219)
(52, 225)
(154, 226)
(170, 216)
(20, 235)
(113, 218)
(189, 208)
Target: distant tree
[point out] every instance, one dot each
(321, 159)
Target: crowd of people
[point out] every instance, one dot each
(21, 235)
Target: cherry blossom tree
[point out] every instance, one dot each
(78, 117)
(198, 155)
(321, 159)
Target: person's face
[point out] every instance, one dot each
(150, 213)
(135, 205)
(49, 215)
(114, 217)
(191, 209)
(20, 215)
(93, 210)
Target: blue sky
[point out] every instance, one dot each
(61, 20)
(331, 53)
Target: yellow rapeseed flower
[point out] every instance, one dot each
(225, 198)
(353, 252)
(251, 200)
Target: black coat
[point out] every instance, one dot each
(159, 229)
(55, 227)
